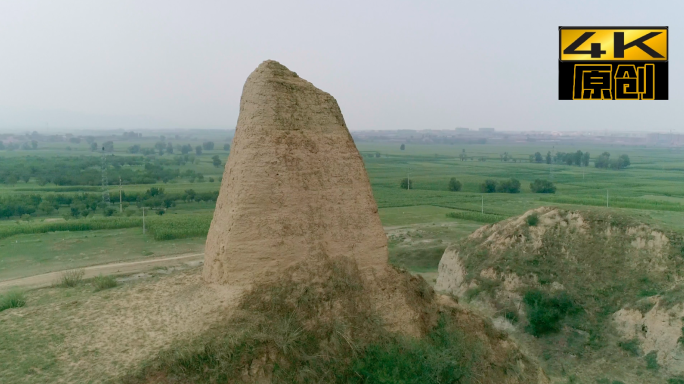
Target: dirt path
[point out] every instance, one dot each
(46, 279)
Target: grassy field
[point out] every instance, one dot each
(27, 255)
(651, 188)
(420, 223)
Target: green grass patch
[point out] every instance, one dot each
(180, 226)
(633, 346)
(545, 311)
(651, 360)
(417, 259)
(101, 282)
(12, 299)
(71, 225)
(475, 216)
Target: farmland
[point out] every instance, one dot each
(178, 192)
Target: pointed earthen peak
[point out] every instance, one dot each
(294, 186)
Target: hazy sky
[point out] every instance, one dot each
(390, 64)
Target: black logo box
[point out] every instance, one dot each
(566, 76)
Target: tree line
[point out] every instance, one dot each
(581, 159)
(162, 148)
(511, 185)
(87, 170)
(85, 204)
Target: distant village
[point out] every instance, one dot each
(494, 136)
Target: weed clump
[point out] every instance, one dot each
(533, 220)
(71, 278)
(545, 311)
(631, 346)
(12, 299)
(652, 361)
(104, 282)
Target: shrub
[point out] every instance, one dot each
(508, 186)
(533, 220)
(12, 299)
(652, 360)
(454, 185)
(104, 282)
(489, 186)
(442, 357)
(71, 278)
(406, 183)
(545, 312)
(542, 186)
(676, 380)
(631, 346)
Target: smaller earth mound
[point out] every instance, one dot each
(578, 284)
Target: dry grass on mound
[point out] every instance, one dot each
(319, 323)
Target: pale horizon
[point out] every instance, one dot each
(78, 65)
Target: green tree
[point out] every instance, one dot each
(577, 158)
(2, 146)
(402, 147)
(198, 149)
(542, 186)
(190, 193)
(548, 157)
(46, 207)
(454, 185)
(216, 161)
(603, 161)
(34, 144)
(108, 146)
(508, 186)
(489, 186)
(185, 149)
(377, 154)
(208, 145)
(463, 155)
(585, 159)
(569, 158)
(406, 183)
(160, 146)
(134, 148)
(538, 157)
(625, 161)
(93, 146)
(226, 147)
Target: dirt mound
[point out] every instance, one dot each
(582, 283)
(296, 220)
(323, 321)
(294, 185)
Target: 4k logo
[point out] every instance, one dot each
(613, 63)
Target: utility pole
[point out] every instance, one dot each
(607, 198)
(105, 190)
(482, 204)
(143, 208)
(408, 181)
(120, 203)
(553, 155)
